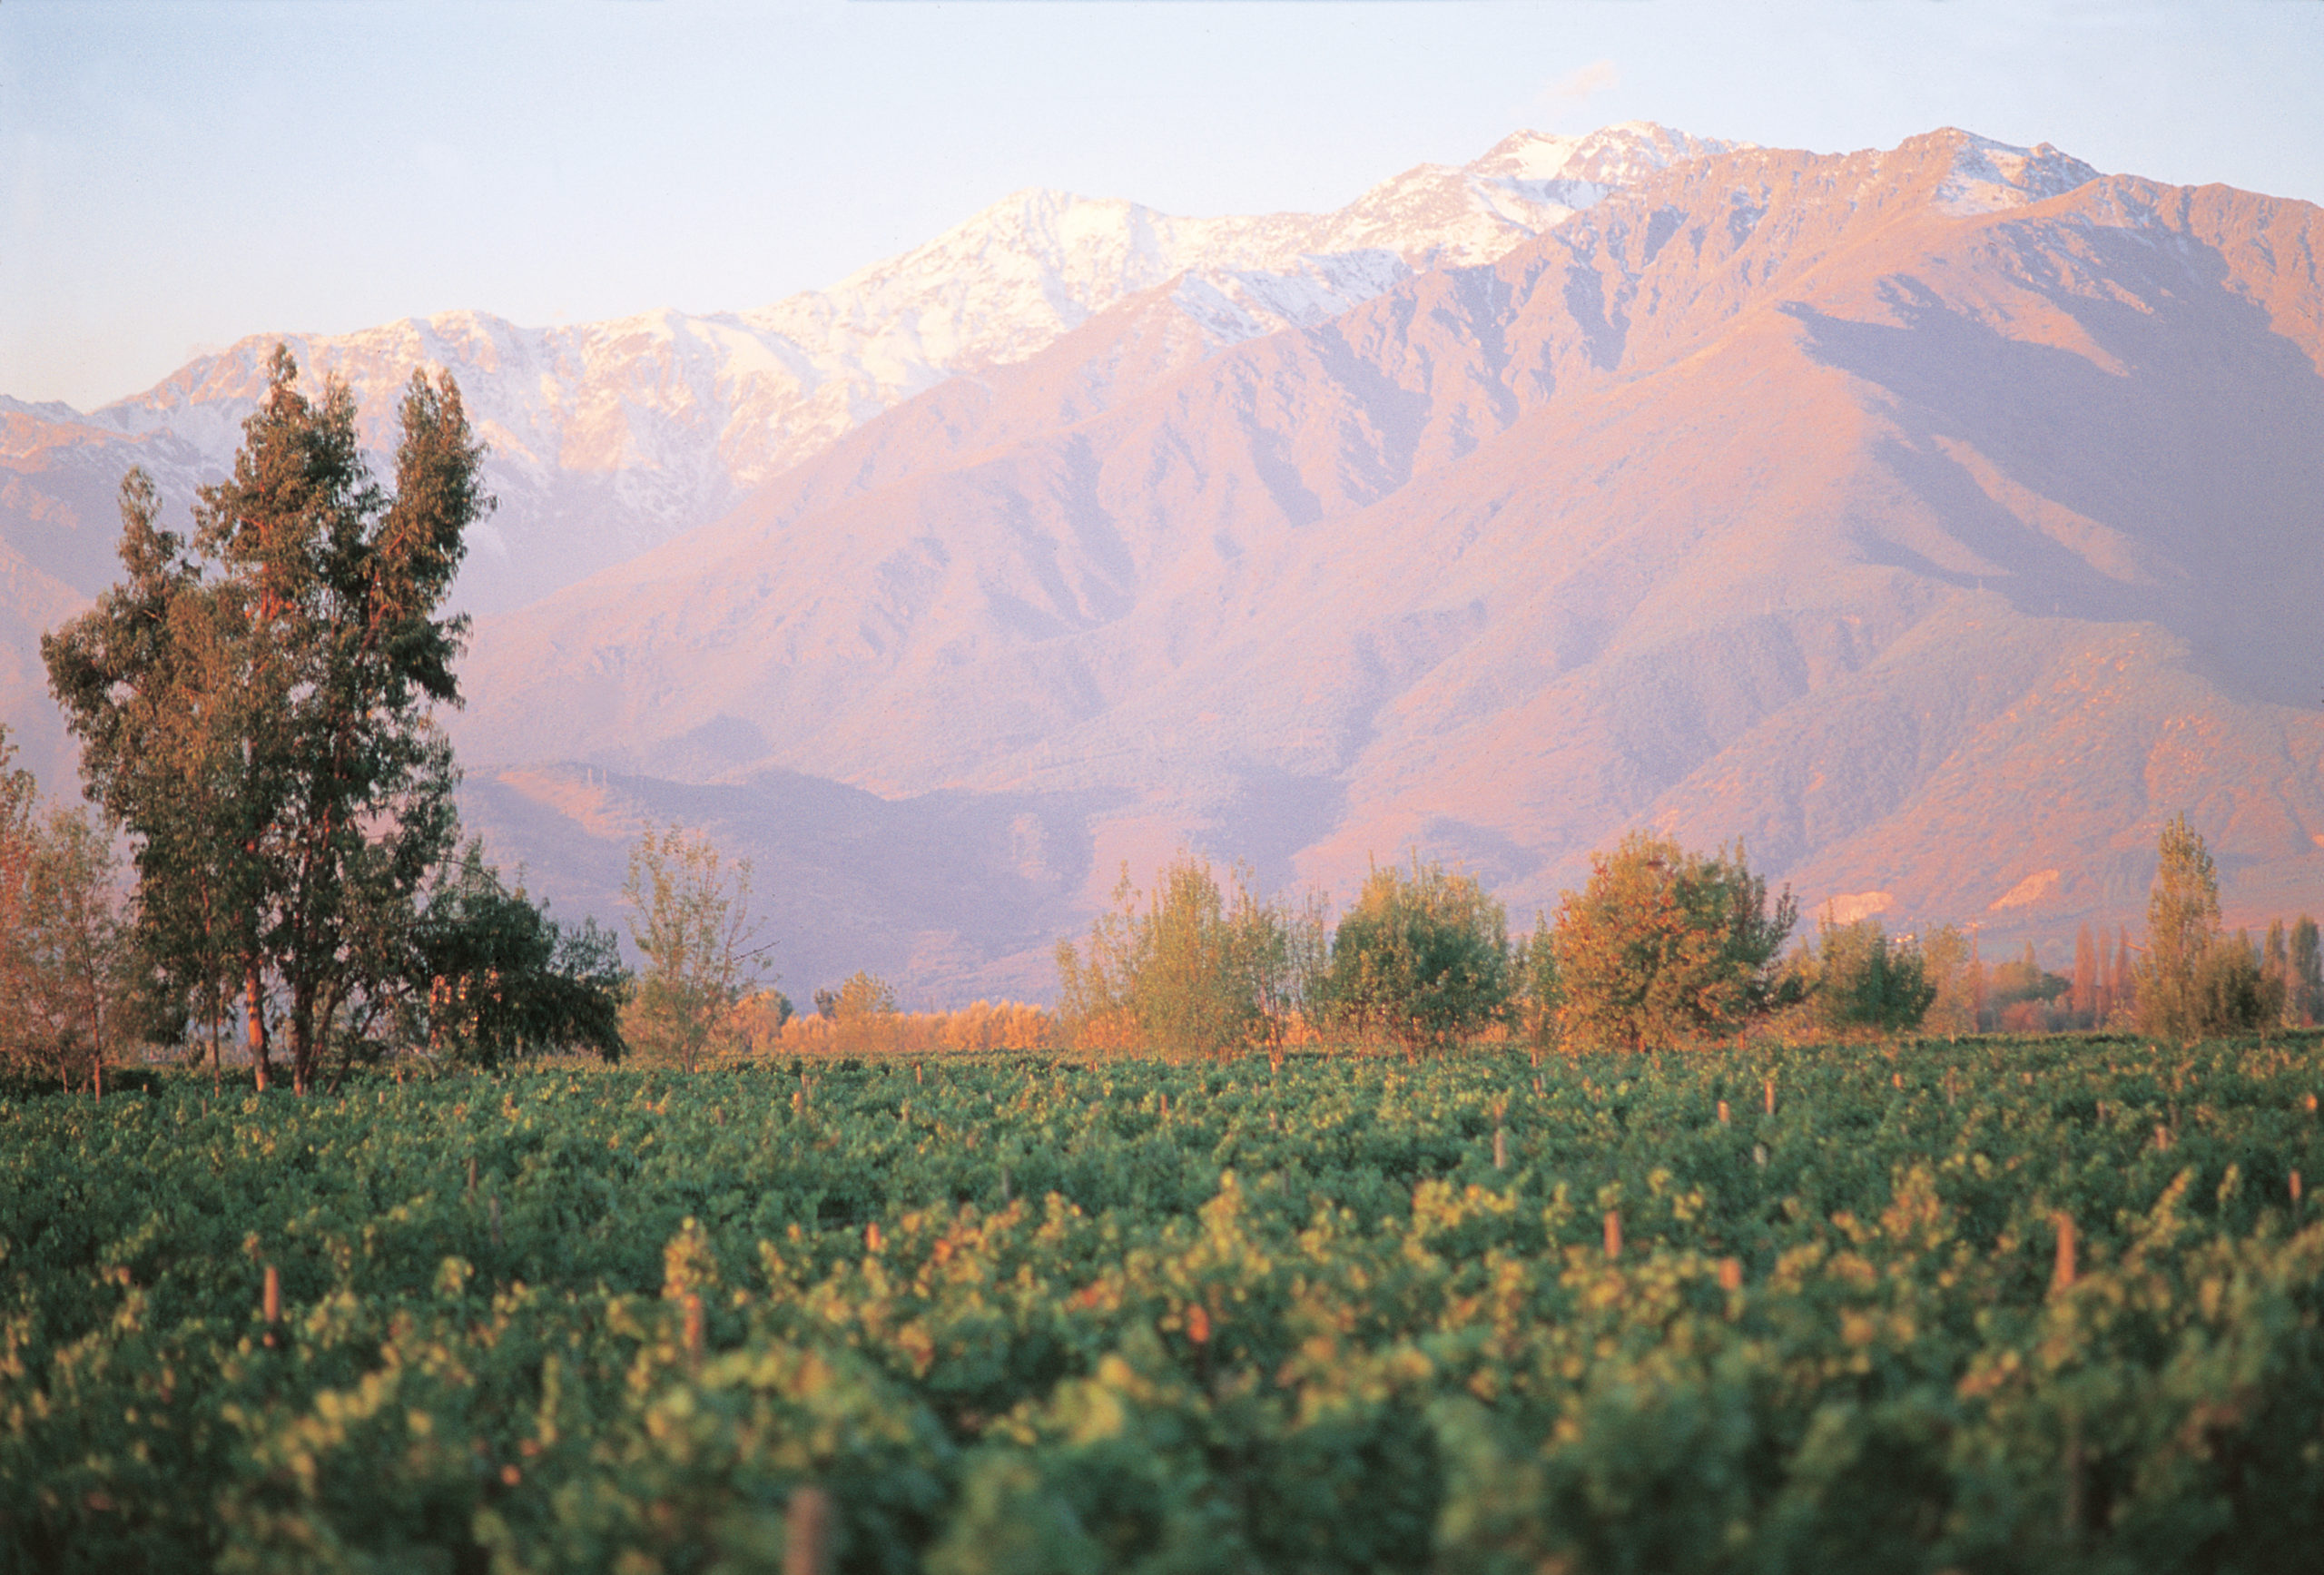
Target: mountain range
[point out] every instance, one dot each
(1935, 521)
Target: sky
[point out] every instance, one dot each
(176, 176)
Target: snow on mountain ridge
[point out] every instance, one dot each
(609, 436)
(1988, 176)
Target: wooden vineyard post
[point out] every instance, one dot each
(1613, 1233)
(807, 1532)
(1722, 1112)
(2061, 1281)
(270, 1300)
(1771, 1096)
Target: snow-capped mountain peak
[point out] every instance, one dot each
(1988, 176)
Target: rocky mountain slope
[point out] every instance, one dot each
(1936, 520)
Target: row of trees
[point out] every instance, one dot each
(1661, 945)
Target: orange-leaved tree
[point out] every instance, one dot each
(1664, 946)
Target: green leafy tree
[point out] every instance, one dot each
(69, 989)
(493, 977)
(1189, 970)
(2195, 982)
(2182, 923)
(1864, 983)
(256, 706)
(1949, 963)
(2275, 967)
(690, 916)
(2306, 973)
(1537, 990)
(1663, 946)
(2234, 993)
(1422, 957)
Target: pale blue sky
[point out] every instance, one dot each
(178, 176)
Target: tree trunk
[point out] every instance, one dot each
(303, 1039)
(254, 1005)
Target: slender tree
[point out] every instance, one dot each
(2275, 967)
(691, 917)
(2181, 922)
(1946, 960)
(2085, 976)
(2307, 972)
(2194, 980)
(19, 853)
(255, 706)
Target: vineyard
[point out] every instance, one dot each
(2002, 1306)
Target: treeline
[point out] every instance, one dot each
(1663, 947)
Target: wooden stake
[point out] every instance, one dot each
(807, 1533)
(270, 1297)
(1771, 1096)
(1722, 1112)
(2295, 1189)
(1730, 1274)
(1501, 1148)
(1613, 1233)
(2061, 1276)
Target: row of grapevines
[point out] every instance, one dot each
(1740, 1310)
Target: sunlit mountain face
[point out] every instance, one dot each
(1937, 521)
